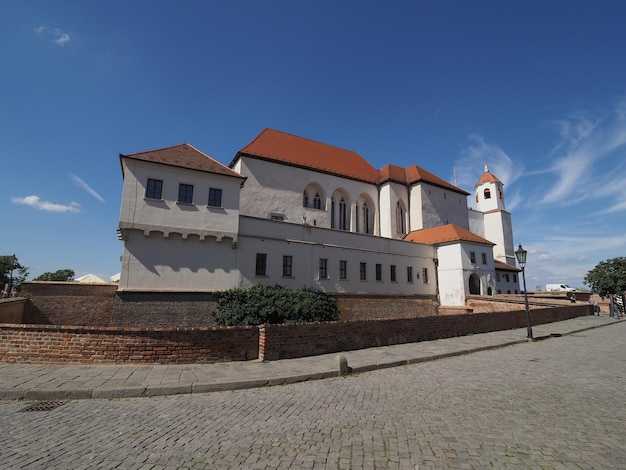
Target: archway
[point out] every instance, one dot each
(474, 284)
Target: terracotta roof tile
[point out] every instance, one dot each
(499, 265)
(487, 177)
(306, 153)
(416, 174)
(183, 156)
(445, 234)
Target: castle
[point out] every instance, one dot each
(292, 211)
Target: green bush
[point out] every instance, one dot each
(266, 304)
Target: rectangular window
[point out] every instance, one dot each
(409, 274)
(484, 255)
(343, 269)
(363, 271)
(514, 277)
(154, 189)
(379, 272)
(472, 257)
(261, 264)
(425, 275)
(392, 273)
(215, 197)
(497, 277)
(185, 193)
(506, 277)
(287, 264)
(278, 217)
(323, 274)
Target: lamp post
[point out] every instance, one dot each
(520, 254)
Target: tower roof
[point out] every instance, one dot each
(487, 177)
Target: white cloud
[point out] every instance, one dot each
(81, 184)
(56, 35)
(36, 202)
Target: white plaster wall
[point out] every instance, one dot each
(499, 230)
(166, 215)
(157, 263)
(476, 221)
(494, 202)
(439, 206)
(273, 188)
(390, 194)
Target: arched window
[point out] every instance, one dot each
(356, 221)
(487, 194)
(343, 215)
(500, 195)
(366, 218)
(317, 201)
(400, 228)
(305, 199)
(332, 213)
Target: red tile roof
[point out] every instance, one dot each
(445, 234)
(500, 266)
(184, 156)
(305, 153)
(293, 150)
(487, 177)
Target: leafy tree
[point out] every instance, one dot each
(59, 275)
(608, 278)
(8, 264)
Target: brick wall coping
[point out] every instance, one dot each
(113, 329)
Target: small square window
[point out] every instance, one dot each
(154, 189)
(323, 273)
(278, 217)
(287, 266)
(215, 197)
(185, 193)
(261, 264)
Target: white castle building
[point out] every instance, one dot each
(300, 213)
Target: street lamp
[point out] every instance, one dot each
(520, 254)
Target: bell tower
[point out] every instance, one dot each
(489, 192)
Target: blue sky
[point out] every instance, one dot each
(535, 88)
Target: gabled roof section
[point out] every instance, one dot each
(415, 174)
(184, 156)
(445, 234)
(500, 266)
(305, 153)
(487, 177)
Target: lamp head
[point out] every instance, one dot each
(520, 254)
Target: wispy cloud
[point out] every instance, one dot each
(81, 184)
(476, 154)
(36, 202)
(56, 35)
(585, 140)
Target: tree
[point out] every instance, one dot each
(608, 278)
(59, 275)
(11, 269)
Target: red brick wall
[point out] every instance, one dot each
(90, 345)
(290, 341)
(373, 307)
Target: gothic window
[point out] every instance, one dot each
(332, 213)
(343, 215)
(366, 218)
(305, 199)
(317, 201)
(400, 228)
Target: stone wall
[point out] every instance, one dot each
(90, 345)
(68, 303)
(290, 341)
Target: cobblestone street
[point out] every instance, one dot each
(557, 403)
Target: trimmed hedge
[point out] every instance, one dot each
(266, 304)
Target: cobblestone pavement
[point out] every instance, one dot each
(557, 403)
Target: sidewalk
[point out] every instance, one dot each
(61, 382)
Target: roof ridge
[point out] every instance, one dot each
(161, 148)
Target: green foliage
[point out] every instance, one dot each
(59, 275)
(10, 263)
(608, 277)
(266, 304)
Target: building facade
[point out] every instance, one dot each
(296, 212)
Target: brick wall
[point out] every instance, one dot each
(68, 303)
(90, 345)
(290, 341)
(373, 307)
(12, 310)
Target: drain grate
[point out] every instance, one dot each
(43, 406)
